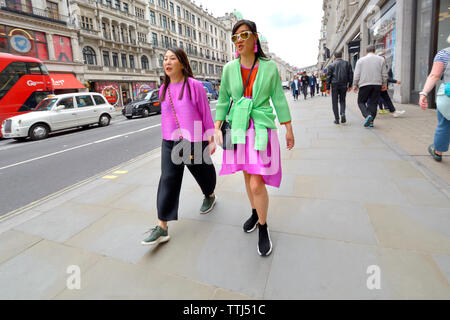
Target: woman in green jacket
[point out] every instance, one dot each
(253, 127)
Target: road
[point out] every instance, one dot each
(31, 170)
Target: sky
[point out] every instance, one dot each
(292, 27)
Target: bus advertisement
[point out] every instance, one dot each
(24, 82)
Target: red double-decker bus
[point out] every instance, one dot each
(24, 82)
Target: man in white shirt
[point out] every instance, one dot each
(370, 78)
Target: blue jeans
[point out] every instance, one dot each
(442, 134)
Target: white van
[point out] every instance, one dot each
(59, 112)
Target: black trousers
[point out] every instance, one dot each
(169, 187)
(387, 101)
(368, 99)
(305, 91)
(338, 95)
(313, 90)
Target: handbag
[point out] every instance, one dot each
(226, 126)
(178, 155)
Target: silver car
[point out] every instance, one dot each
(57, 113)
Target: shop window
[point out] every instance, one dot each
(423, 31)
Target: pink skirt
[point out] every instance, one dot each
(265, 163)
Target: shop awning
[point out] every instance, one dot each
(65, 81)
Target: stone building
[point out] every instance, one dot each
(124, 42)
(43, 30)
(409, 33)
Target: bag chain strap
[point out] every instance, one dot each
(175, 114)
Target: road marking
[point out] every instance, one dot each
(109, 177)
(152, 153)
(78, 147)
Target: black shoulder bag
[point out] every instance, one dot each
(226, 127)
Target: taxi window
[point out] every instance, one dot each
(66, 102)
(99, 100)
(84, 101)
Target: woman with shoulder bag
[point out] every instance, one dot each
(441, 67)
(250, 82)
(188, 139)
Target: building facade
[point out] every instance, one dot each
(124, 41)
(43, 30)
(409, 33)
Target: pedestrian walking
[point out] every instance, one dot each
(312, 84)
(340, 78)
(305, 84)
(370, 78)
(251, 81)
(385, 101)
(295, 86)
(441, 67)
(187, 130)
(323, 84)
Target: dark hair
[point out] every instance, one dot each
(187, 72)
(370, 49)
(252, 27)
(338, 54)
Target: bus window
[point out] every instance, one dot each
(44, 69)
(10, 75)
(33, 68)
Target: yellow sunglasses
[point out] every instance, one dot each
(243, 35)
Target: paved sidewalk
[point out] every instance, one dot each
(350, 198)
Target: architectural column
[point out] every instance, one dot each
(50, 47)
(403, 52)
(76, 50)
(111, 30)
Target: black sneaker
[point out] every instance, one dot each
(336, 121)
(264, 242)
(343, 119)
(251, 223)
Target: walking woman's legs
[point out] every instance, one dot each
(249, 191)
(260, 197)
(169, 187)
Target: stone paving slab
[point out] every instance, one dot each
(40, 272)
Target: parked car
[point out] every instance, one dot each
(59, 112)
(286, 85)
(208, 94)
(208, 85)
(146, 103)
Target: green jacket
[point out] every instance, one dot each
(267, 86)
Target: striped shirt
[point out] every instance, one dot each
(443, 56)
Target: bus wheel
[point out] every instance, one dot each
(39, 131)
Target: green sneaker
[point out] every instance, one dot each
(158, 235)
(208, 204)
(436, 157)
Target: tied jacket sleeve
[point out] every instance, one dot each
(267, 86)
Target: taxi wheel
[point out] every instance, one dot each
(38, 132)
(145, 113)
(104, 120)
